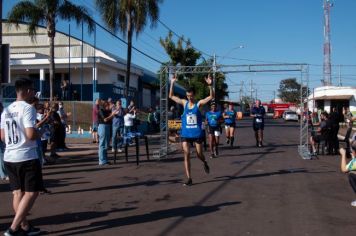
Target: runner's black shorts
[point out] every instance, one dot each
(192, 140)
(211, 130)
(25, 176)
(230, 125)
(258, 126)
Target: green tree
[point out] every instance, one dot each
(182, 53)
(289, 90)
(47, 12)
(128, 16)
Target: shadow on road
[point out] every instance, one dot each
(111, 187)
(184, 212)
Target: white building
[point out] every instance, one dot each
(31, 59)
(327, 97)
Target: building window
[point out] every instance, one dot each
(120, 78)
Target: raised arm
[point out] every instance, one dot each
(343, 160)
(204, 101)
(171, 95)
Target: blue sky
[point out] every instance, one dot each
(271, 31)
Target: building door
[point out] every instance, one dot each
(339, 104)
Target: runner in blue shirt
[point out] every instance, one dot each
(191, 125)
(213, 118)
(230, 124)
(258, 112)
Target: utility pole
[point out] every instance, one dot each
(1, 94)
(241, 90)
(1, 22)
(340, 84)
(255, 93)
(327, 48)
(251, 91)
(214, 73)
(274, 96)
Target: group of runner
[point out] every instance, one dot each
(192, 123)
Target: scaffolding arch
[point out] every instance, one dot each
(164, 74)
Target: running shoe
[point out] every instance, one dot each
(206, 167)
(189, 182)
(353, 203)
(32, 231)
(10, 232)
(227, 141)
(212, 156)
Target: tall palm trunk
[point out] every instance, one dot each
(128, 63)
(51, 67)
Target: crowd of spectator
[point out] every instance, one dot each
(326, 130)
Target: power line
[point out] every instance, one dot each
(179, 36)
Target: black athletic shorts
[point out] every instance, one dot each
(211, 130)
(230, 125)
(25, 176)
(192, 140)
(258, 126)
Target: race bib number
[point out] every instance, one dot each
(258, 120)
(192, 119)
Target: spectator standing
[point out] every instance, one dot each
(334, 118)
(150, 120)
(21, 160)
(117, 126)
(129, 118)
(95, 120)
(3, 174)
(56, 130)
(321, 133)
(65, 89)
(64, 117)
(350, 167)
(104, 130)
(349, 120)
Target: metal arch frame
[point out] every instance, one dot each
(303, 148)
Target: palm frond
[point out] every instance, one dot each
(26, 12)
(70, 11)
(109, 10)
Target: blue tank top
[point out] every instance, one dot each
(191, 122)
(232, 117)
(213, 118)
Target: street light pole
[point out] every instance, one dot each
(214, 72)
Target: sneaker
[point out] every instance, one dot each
(189, 182)
(206, 167)
(112, 150)
(119, 150)
(10, 232)
(212, 156)
(353, 203)
(257, 144)
(31, 231)
(227, 141)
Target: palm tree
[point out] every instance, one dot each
(128, 16)
(47, 12)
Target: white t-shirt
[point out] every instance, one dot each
(14, 119)
(128, 119)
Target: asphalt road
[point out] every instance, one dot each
(250, 191)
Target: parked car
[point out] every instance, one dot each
(290, 115)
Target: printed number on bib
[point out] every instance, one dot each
(191, 119)
(13, 137)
